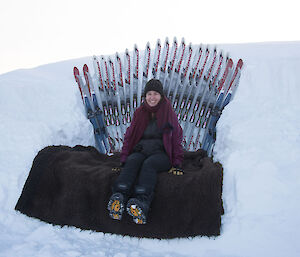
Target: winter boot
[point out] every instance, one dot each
(117, 201)
(138, 206)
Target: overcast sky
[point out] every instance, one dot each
(36, 32)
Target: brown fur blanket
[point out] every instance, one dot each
(71, 186)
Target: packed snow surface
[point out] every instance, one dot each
(258, 144)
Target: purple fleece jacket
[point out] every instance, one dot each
(172, 138)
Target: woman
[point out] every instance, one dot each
(152, 144)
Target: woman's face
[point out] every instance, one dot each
(152, 98)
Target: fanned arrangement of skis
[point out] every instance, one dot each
(198, 80)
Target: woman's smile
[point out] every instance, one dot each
(153, 98)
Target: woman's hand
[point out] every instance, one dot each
(118, 168)
(176, 171)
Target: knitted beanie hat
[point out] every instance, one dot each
(154, 85)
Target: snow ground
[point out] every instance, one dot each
(258, 144)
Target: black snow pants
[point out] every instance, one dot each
(141, 170)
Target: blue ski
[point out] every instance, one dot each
(99, 131)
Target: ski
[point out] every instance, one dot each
(128, 86)
(176, 72)
(146, 66)
(164, 61)
(156, 58)
(116, 105)
(170, 68)
(182, 86)
(94, 115)
(135, 82)
(102, 88)
(121, 88)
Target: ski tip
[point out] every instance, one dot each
(200, 50)
(175, 40)
(85, 68)
(240, 63)
(75, 71)
(76, 76)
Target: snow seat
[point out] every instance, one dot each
(71, 187)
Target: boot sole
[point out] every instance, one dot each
(115, 208)
(137, 213)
